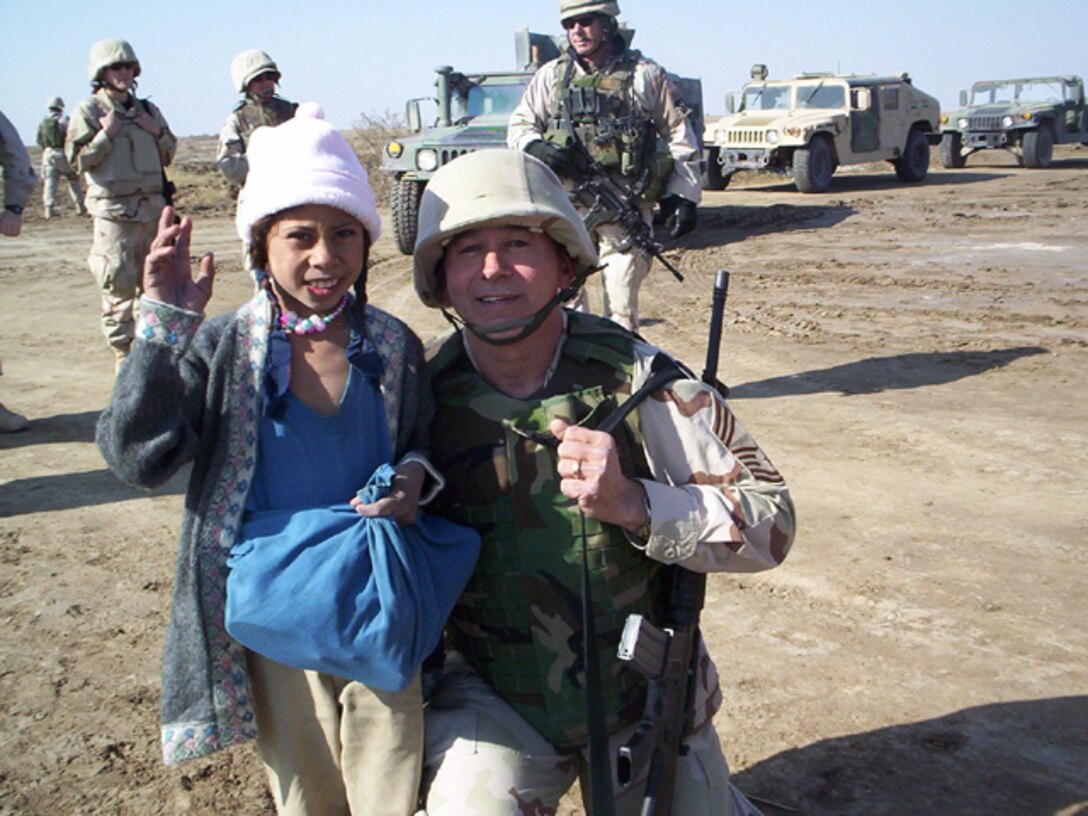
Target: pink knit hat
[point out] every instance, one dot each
(304, 161)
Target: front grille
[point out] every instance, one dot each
(984, 123)
(745, 136)
(448, 154)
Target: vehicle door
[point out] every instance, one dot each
(864, 124)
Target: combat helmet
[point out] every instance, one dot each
(249, 64)
(576, 8)
(55, 103)
(491, 188)
(106, 52)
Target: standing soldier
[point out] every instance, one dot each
(603, 101)
(18, 185)
(254, 74)
(55, 164)
(122, 144)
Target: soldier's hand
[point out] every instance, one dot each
(148, 123)
(558, 158)
(679, 215)
(111, 123)
(168, 274)
(590, 472)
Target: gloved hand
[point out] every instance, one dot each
(560, 159)
(679, 215)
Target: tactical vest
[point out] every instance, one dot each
(519, 621)
(249, 116)
(50, 133)
(605, 117)
(133, 165)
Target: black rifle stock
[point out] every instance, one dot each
(667, 656)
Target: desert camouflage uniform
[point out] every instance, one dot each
(124, 194)
(19, 178)
(246, 117)
(55, 166)
(718, 504)
(654, 99)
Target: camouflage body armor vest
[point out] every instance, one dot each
(605, 117)
(50, 132)
(133, 166)
(249, 115)
(519, 621)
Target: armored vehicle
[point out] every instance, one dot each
(807, 126)
(473, 111)
(1027, 117)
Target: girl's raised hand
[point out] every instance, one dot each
(168, 274)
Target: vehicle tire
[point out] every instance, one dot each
(404, 206)
(813, 166)
(714, 178)
(951, 157)
(1038, 146)
(913, 165)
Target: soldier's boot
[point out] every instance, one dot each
(11, 422)
(81, 208)
(49, 213)
(629, 322)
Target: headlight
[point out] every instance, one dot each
(394, 149)
(772, 137)
(427, 160)
(944, 119)
(1007, 122)
(961, 123)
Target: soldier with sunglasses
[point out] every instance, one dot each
(121, 144)
(602, 107)
(255, 75)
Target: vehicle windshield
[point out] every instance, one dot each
(995, 93)
(487, 100)
(766, 97)
(819, 96)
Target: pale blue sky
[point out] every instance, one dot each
(368, 57)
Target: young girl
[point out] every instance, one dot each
(292, 400)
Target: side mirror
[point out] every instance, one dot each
(861, 99)
(963, 99)
(413, 116)
(731, 102)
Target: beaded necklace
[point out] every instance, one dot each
(293, 324)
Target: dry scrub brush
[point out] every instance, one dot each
(368, 137)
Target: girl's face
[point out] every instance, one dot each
(315, 255)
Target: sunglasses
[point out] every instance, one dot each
(121, 66)
(585, 21)
(267, 75)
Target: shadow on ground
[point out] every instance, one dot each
(876, 374)
(1025, 758)
(68, 491)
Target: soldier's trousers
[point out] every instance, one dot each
(622, 275)
(483, 758)
(54, 168)
(116, 261)
(334, 747)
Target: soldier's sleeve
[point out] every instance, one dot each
(168, 142)
(529, 121)
(717, 503)
(40, 136)
(231, 157)
(19, 178)
(670, 116)
(86, 143)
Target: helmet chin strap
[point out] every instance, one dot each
(529, 324)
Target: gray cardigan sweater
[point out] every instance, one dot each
(192, 391)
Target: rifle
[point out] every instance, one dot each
(667, 656)
(608, 201)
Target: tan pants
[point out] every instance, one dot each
(622, 275)
(55, 167)
(484, 759)
(116, 261)
(333, 747)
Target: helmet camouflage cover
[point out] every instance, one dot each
(249, 64)
(107, 52)
(576, 8)
(492, 188)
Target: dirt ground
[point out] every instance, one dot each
(913, 358)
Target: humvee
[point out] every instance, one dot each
(807, 126)
(473, 111)
(1027, 117)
